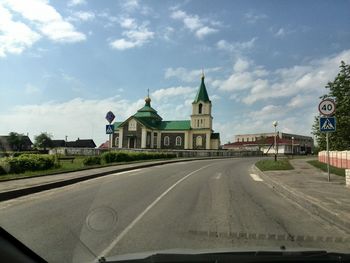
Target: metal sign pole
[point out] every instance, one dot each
(329, 175)
(110, 141)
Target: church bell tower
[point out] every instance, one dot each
(201, 117)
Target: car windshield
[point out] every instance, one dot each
(129, 126)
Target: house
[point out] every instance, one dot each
(58, 143)
(146, 129)
(286, 143)
(104, 145)
(85, 143)
(24, 145)
(79, 143)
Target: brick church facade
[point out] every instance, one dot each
(147, 130)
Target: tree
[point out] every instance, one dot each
(339, 91)
(43, 141)
(16, 141)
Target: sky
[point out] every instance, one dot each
(64, 64)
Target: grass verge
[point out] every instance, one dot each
(271, 165)
(67, 166)
(323, 167)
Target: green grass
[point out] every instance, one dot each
(67, 166)
(271, 165)
(323, 167)
(291, 157)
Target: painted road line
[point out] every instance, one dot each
(217, 176)
(256, 177)
(140, 216)
(125, 172)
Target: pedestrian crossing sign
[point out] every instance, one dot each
(327, 124)
(109, 129)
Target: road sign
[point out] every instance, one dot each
(327, 124)
(109, 129)
(327, 107)
(110, 116)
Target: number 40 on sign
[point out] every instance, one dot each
(326, 107)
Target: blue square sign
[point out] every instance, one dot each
(327, 124)
(109, 129)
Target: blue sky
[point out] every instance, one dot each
(64, 64)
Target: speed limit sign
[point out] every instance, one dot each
(327, 107)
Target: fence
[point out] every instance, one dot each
(339, 159)
(179, 153)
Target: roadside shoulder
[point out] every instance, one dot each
(311, 203)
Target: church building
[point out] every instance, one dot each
(147, 130)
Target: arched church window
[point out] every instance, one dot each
(166, 140)
(200, 107)
(178, 141)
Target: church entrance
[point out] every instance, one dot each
(132, 142)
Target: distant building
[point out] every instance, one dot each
(58, 143)
(85, 143)
(265, 142)
(26, 144)
(104, 145)
(146, 129)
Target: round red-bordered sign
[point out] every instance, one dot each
(327, 107)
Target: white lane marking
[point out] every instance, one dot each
(125, 172)
(256, 177)
(140, 216)
(218, 176)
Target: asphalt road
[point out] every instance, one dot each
(193, 205)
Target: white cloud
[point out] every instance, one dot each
(128, 23)
(252, 17)
(305, 80)
(82, 16)
(236, 47)
(166, 93)
(241, 65)
(204, 31)
(168, 33)
(15, 36)
(46, 19)
(85, 118)
(76, 2)
(299, 101)
(269, 112)
(30, 89)
(131, 5)
(187, 75)
(122, 44)
(194, 23)
(135, 37)
(280, 33)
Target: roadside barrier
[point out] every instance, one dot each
(340, 159)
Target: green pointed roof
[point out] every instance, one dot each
(147, 111)
(202, 94)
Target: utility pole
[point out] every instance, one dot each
(275, 123)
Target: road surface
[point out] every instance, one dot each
(197, 205)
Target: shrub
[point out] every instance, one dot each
(17, 154)
(29, 162)
(111, 157)
(92, 160)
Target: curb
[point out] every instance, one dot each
(7, 195)
(306, 202)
